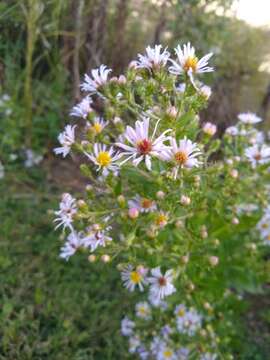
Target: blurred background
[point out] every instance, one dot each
(53, 310)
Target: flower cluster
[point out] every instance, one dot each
(175, 222)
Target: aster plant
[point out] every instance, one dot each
(169, 204)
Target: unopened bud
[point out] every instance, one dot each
(96, 227)
(235, 221)
(105, 258)
(133, 213)
(172, 112)
(185, 200)
(213, 260)
(179, 224)
(160, 195)
(209, 129)
(121, 200)
(191, 287)
(234, 173)
(122, 80)
(185, 259)
(92, 258)
(81, 203)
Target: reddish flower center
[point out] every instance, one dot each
(146, 203)
(144, 146)
(162, 281)
(257, 157)
(181, 157)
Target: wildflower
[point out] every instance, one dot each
(166, 353)
(98, 78)
(232, 131)
(161, 219)
(188, 62)
(143, 147)
(249, 118)
(161, 285)
(258, 155)
(160, 195)
(97, 237)
(134, 343)
(143, 205)
(133, 277)
(66, 212)
(133, 213)
(105, 258)
(180, 311)
(185, 200)
(183, 353)
(209, 129)
(98, 124)
(83, 109)
(143, 310)
(183, 155)
(104, 159)
(205, 91)
(66, 139)
(73, 243)
(92, 258)
(127, 326)
(155, 58)
(32, 158)
(189, 323)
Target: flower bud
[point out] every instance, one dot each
(185, 200)
(96, 227)
(172, 112)
(209, 129)
(160, 195)
(191, 287)
(234, 173)
(185, 259)
(133, 213)
(81, 204)
(89, 188)
(179, 224)
(213, 260)
(235, 221)
(132, 64)
(122, 80)
(113, 79)
(92, 258)
(121, 200)
(206, 91)
(105, 258)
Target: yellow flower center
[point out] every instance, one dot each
(167, 353)
(264, 225)
(135, 277)
(181, 312)
(161, 219)
(191, 63)
(104, 158)
(97, 128)
(142, 310)
(181, 157)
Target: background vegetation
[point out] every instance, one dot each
(50, 310)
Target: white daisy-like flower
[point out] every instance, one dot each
(143, 353)
(189, 323)
(166, 353)
(155, 58)
(98, 78)
(180, 311)
(263, 225)
(97, 237)
(156, 345)
(134, 277)
(209, 128)
(183, 353)
(185, 154)
(256, 137)
(104, 158)
(188, 62)
(249, 118)
(142, 146)
(83, 108)
(97, 125)
(142, 204)
(134, 343)
(232, 131)
(66, 139)
(73, 243)
(258, 155)
(127, 326)
(143, 310)
(66, 212)
(166, 330)
(32, 158)
(161, 285)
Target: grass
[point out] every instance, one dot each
(51, 309)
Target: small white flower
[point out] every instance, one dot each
(258, 155)
(232, 131)
(98, 124)
(184, 154)
(143, 310)
(99, 77)
(189, 322)
(161, 285)
(97, 237)
(73, 243)
(209, 129)
(143, 205)
(183, 353)
(66, 139)
(249, 118)
(134, 343)
(142, 146)
(133, 277)
(66, 212)
(127, 327)
(166, 353)
(205, 91)
(104, 158)
(83, 108)
(188, 62)
(154, 58)
(32, 158)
